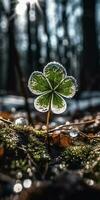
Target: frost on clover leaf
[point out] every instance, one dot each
(52, 86)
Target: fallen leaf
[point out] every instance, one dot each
(61, 140)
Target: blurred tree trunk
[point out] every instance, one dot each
(11, 75)
(37, 42)
(58, 24)
(66, 38)
(0, 48)
(29, 40)
(90, 70)
(45, 20)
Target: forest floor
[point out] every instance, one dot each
(69, 167)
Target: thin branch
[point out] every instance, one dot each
(5, 120)
(71, 124)
(4, 177)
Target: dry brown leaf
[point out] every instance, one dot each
(6, 115)
(61, 140)
(1, 151)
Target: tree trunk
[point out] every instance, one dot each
(66, 37)
(0, 49)
(90, 71)
(29, 40)
(37, 42)
(11, 75)
(45, 20)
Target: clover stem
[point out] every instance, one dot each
(47, 125)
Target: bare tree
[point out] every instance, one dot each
(29, 54)
(90, 70)
(11, 75)
(45, 20)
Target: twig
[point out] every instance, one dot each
(5, 120)
(71, 124)
(4, 177)
(30, 129)
(89, 136)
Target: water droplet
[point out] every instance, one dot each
(27, 183)
(89, 182)
(29, 170)
(17, 187)
(13, 110)
(38, 184)
(67, 122)
(44, 127)
(53, 124)
(55, 170)
(21, 121)
(62, 166)
(19, 175)
(57, 132)
(73, 133)
(38, 126)
(60, 120)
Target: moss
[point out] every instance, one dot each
(38, 149)
(8, 137)
(75, 156)
(93, 161)
(19, 164)
(27, 130)
(26, 147)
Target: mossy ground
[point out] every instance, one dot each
(24, 147)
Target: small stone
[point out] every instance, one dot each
(17, 187)
(21, 121)
(27, 183)
(73, 133)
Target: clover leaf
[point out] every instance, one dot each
(52, 87)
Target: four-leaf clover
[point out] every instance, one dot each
(52, 86)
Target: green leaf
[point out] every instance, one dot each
(67, 87)
(58, 104)
(42, 102)
(54, 72)
(37, 83)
